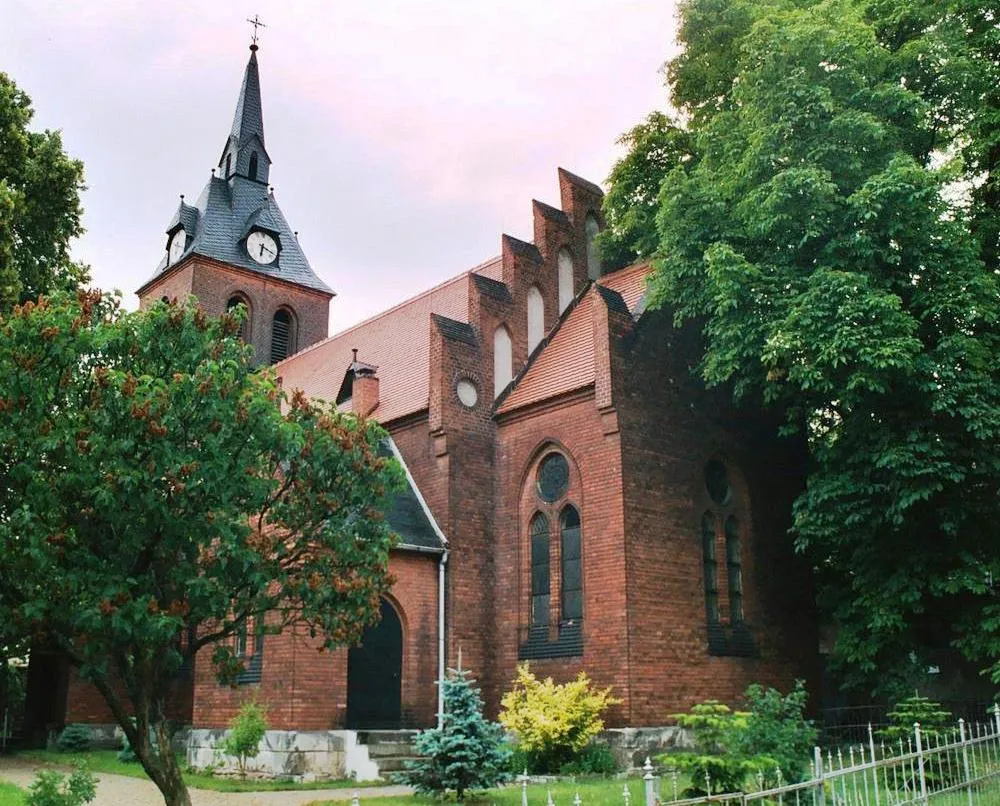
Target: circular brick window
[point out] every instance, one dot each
(553, 477)
(467, 393)
(717, 483)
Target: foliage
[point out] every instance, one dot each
(777, 729)
(553, 722)
(157, 494)
(245, 733)
(53, 789)
(716, 765)
(39, 205)
(595, 759)
(933, 719)
(834, 236)
(466, 752)
(74, 739)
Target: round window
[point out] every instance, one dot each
(717, 482)
(553, 477)
(467, 393)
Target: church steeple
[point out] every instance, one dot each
(244, 153)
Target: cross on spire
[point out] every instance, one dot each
(256, 23)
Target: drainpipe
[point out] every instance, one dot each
(441, 659)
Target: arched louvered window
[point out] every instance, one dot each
(536, 318)
(565, 279)
(572, 571)
(235, 301)
(503, 360)
(229, 161)
(539, 571)
(710, 567)
(282, 335)
(252, 171)
(734, 569)
(593, 255)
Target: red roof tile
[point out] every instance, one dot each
(397, 341)
(566, 363)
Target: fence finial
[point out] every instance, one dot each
(626, 795)
(524, 787)
(356, 798)
(550, 802)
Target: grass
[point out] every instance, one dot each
(593, 792)
(107, 761)
(11, 795)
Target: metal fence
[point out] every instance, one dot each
(955, 767)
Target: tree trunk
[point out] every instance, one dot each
(162, 767)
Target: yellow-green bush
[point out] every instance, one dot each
(553, 722)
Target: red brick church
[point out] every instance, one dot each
(576, 497)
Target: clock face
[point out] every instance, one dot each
(176, 248)
(262, 247)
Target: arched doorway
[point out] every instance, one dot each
(374, 674)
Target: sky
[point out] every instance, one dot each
(405, 136)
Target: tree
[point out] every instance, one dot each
(245, 733)
(157, 494)
(466, 752)
(831, 237)
(39, 205)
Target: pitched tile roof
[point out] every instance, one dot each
(566, 362)
(397, 341)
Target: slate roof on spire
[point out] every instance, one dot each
(249, 118)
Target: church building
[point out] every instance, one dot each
(577, 498)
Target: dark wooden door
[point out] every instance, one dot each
(374, 673)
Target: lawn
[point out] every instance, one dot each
(593, 792)
(11, 795)
(107, 761)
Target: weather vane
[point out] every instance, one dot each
(256, 23)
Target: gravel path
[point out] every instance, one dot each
(120, 790)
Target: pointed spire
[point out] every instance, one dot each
(249, 118)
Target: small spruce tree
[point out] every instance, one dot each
(467, 752)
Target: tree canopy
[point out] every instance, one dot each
(157, 496)
(39, 205)
(834, 232)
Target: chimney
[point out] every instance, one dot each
(364, 388)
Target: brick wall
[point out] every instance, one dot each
(85, 704)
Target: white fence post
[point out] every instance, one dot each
(818, 766)
(648, 778)
(965, 759)
(524, 788)
(874, 760)
(920, 763)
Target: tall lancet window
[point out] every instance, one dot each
(252, 171)
(536, 318)
(539, 570)
(593, 255)
(503, 360)
(565, 279)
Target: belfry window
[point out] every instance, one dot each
(252, 170)
(540, 589)
(229, 161)
(235, 301)
(282, 335)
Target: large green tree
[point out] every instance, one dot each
(39, 205)
(834, 235)
(157, 496)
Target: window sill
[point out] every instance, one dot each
(539, 645)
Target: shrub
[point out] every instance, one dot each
(777, 728)
(51, 789)
(595, 759)
(245, 732)
(553, 722)
(933, 719)
(467, 752)
(74, 739)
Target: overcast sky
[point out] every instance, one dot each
(406, 135)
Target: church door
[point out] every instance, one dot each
(374, 673)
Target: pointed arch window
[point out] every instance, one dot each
(710, 568)
(572, 573)
(734, 568)
(235, 301)
(282, 335)
(540, 589)
(593, 255)
(565, 269)
(503, 360)
(536, 318)
(252, 171)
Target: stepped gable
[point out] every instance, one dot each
(566, 362)
(397, 341)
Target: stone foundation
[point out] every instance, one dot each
(631, 746)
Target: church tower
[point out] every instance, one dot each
(233, 246)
